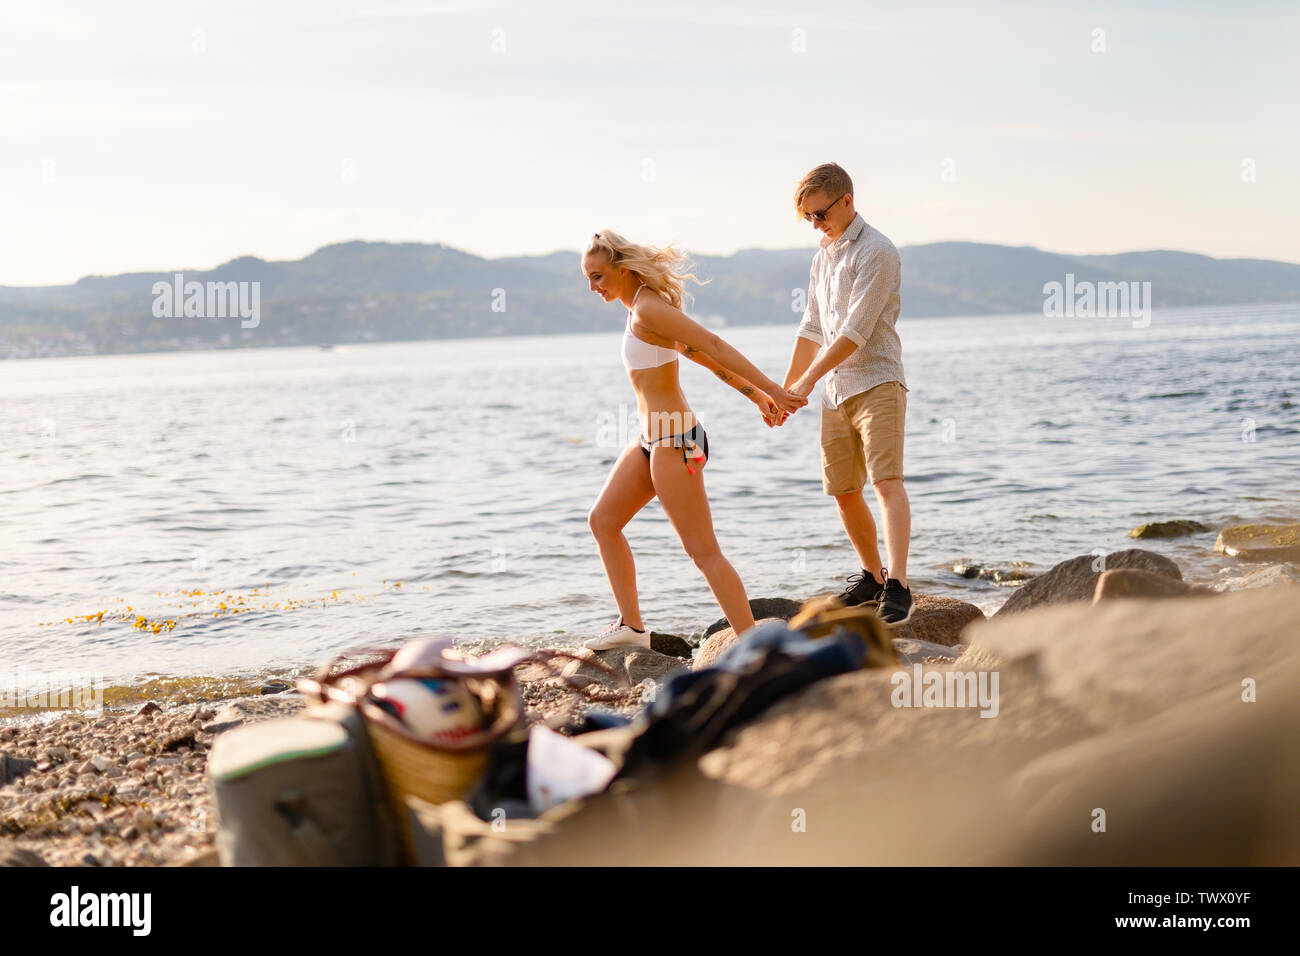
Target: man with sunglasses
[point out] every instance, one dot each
(848, 337)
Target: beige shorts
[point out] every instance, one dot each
(863, 437)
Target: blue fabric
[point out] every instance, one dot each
(597, 719)
(697, 708)
(834, 654)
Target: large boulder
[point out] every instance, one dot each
(1261, 542)
(937, 620)
(652, 665)
(717, 643)
(1211, 781)
(1076, 579)
(1122, 661)
(1132, 582)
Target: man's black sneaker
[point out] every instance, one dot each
(863, 589)
(896, 604)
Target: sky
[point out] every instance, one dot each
(140, 136)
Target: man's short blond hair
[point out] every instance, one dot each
(829, 178)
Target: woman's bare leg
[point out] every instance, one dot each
(627, 490)
(687, 506)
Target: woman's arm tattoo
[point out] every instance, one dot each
(746, 389)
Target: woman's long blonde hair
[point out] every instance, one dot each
(663, 269)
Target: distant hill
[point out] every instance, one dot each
(381, 291)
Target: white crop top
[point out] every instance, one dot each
(638, 353)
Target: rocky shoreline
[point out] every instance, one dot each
(130, 789)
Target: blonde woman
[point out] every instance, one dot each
(668, 458)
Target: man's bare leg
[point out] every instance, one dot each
(896, 511)
(861, 529)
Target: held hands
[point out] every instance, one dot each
(772, 415)
(803, 387)
(780, 405)
(777, 404)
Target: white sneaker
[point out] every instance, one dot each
(618, 635)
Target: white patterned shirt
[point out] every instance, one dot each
(853, 291)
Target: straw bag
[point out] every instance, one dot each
(410, 766)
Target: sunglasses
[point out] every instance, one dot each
(820, 214)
